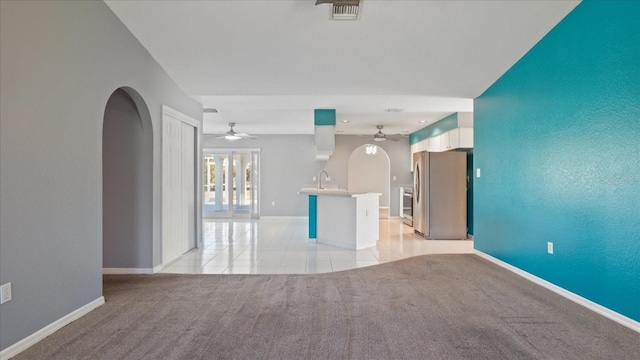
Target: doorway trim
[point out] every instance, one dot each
(254, 212)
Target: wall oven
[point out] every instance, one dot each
(406, 202)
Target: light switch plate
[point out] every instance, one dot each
(478, 172)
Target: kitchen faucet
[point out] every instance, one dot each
(320, 178)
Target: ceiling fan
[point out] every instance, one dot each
(380, 136)
(233, 135)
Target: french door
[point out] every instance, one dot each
(231, 183)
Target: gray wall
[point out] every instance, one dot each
(289, 163)
(59, 64)
(127, 200)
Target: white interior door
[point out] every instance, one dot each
(188, 195)
(178, 186)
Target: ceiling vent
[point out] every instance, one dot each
(342, 9)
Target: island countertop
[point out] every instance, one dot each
(332, 191)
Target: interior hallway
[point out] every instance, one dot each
(281, 246)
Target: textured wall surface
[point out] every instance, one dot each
(470, 178)
(557, 139)
(59, 64)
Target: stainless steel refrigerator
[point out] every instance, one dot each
(440, 195)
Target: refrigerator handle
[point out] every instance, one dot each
(416, 183)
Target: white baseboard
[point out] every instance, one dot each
(158, 268)
(606, 312)
(124, 271)
(32, 339)
(283, 217)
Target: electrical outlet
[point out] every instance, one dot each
(315, 179)
(550, 247)
(5, 293)
(273, 203)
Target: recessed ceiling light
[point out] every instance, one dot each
(423, 121)
(213, 111)
(393, 110)
(344, 121)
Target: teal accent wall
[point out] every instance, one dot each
(470, 192)
(324, 117)
(557, 139)
(313, 216)
(437, 128)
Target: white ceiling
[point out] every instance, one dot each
(267, 64)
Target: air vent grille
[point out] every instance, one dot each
(344, 12)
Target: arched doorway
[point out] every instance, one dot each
(369, 171)
(127, 191)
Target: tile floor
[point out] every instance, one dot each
(281, 246)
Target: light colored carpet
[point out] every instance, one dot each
(428, 307)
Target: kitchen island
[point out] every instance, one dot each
(343, 219)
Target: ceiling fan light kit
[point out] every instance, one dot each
(232, 135)
(380, 136)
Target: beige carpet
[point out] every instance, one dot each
(428, 307)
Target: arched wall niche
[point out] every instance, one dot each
(127, 182)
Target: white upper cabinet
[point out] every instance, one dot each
(460, 138)
(433, 144)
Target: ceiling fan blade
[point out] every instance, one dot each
(397, 137)
(246, 136)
